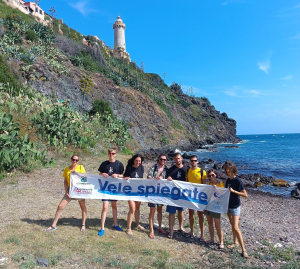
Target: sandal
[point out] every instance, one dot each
(221, 246)
(209, 242)
(51, 228)
(140, 227)
(162, 231)
(231, 246)
(151, 236)
(181, 231)
(201, 240)
(170, 236)
(129, 232)
(245, 255)
(82, 229)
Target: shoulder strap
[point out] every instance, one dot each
(201, 172)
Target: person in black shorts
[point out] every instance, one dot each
(157, 171)
(176, 172)
(134, 169)
(114, 169)
(237, 189)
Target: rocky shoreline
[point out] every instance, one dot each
(251, 181)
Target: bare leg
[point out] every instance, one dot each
(230, 217)
(192, 220)
(201, 223)
(63, 203)
(103, 213)
(151, 219)
(171, 223)
(159, 217)
(219, 230)
(115, 212)
(238, 234)
(130, 214)
(211, 227)
(180, 220)
(83, 213)
(137, 213)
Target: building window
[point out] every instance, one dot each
(36, 9)
(41, 12)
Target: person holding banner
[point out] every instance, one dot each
(196, 175)
(134, 169)
(114, 169)
(157, 171)
(74, 167)
(213, 217)
(237, 189)
(176, 172)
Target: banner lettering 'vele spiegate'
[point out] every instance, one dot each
(162, 191)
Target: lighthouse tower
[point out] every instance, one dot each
(119, 39)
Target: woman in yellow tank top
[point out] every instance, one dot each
(74, 167)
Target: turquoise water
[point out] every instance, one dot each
(275, 155)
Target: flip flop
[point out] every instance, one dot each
(245, 255)
(101, 232)
(151, 236)
(82, 229)
(201, 240)
(140, 227)
(221, 246)
(129, 232)
(181, 231)
(118, 228)
(162, 231)
(231, 246)
(51, 228)
(209, 242)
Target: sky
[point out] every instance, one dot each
(243, 55)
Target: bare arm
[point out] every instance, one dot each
(204, 181)
(242, 193)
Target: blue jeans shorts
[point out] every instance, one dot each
(172, 209)
(107, 200)
(153, 205)
(235, 211)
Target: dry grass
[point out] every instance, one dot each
(28, 205)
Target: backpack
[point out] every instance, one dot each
(187, 172)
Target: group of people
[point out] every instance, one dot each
(194, 174)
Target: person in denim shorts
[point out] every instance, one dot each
(237, 189)
(157, 171)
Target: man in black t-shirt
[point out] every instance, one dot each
(176, 172)
(115, 169)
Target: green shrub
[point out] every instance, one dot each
(15, 151)
(101, 107)
(31, 35)
(60, 126)
(7, 76)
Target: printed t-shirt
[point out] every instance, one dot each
(133, 172)
(67, 172)
(194, 175)
(111, 168)
(237, 185)
(219, 184)
(177, 173)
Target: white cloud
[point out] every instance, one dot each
(81, 6)
(288, 77)
(237, 91)
(264, 66)
(234, 2)
(231, 93)
(297, 36)
(252, 93)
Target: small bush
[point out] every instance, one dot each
(31, 35)
(101, 107)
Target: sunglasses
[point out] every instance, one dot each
(192, 161)
(112, 153)
(163, 160)
(75, 160)
(211, 175)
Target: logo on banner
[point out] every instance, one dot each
(217, 205)
(219, 195)
(82, 191)
(83, 179)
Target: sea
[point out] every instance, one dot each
(276, 155)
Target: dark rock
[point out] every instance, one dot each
(42, 262)
(280, 183)
(232, 147)
(186, 156)
(221, 175)
(257, 185)
(296, 193)
(218, 166)
(257, 178)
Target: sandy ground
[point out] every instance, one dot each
(30, 204)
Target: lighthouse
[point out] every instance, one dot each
(119, 39)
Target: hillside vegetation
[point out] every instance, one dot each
(61, 95)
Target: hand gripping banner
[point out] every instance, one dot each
(160, 191)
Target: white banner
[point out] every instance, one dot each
(162, 191)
